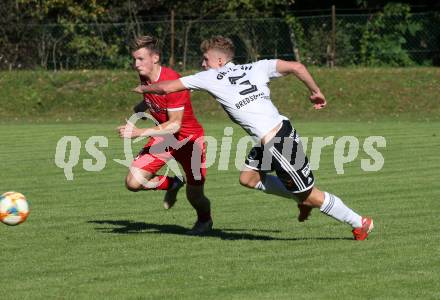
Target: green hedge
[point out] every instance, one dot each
(353, 94)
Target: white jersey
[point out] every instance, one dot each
(243, 92)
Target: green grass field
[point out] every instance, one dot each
(89, 238)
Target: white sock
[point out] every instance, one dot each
(273, 185)
(334, 207)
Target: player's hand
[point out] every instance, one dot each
(129, 131)
(139, 89)
(318, 100)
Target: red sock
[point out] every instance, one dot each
(203, 216)
(166, 182)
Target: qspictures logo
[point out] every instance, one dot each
(346, 149)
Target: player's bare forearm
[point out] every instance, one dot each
(301, 72)
(155, 88)
(129, 130)
(161, 88)
(161, 129)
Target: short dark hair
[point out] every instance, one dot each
(146, 41)
(220, 43)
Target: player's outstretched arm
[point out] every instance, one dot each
(161, 88)
(301, 72)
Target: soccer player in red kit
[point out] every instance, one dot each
(178, 135)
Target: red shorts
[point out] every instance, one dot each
(191, 155)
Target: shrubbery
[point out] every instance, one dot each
(87, 36)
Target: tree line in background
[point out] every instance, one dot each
(68, 34)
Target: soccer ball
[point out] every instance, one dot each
(14, 208)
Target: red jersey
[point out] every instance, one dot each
(159, 105)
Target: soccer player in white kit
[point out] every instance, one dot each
(243, 92)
